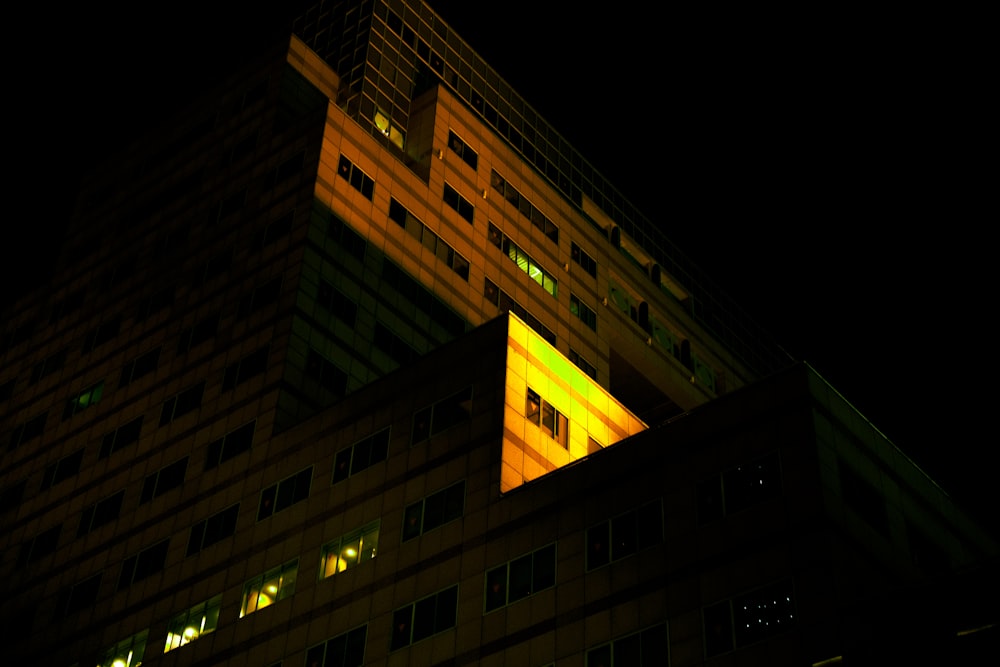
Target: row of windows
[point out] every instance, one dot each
(358, 179)
(505, 303)
(523, 261)
(583, 364)
(435, 244)
(526, 208)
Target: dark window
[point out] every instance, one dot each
(81, 595)
(140, 366)
(261, 296)
(443, 414)
(285, 493)
(214, 267)
(102, 334)
(324, 372)
(347, 238)
(7, 389)
(165, 479)
(336, 303)
(160, 300)
(358, 179)
(763, 613)
(199, 333)
(39, 546)
(230, 445)
(435, 244)
(147, 562)
(287, 169)
(122, 436)
(67, 305)
(345, 650)
(543, 414)
(424, 618)
(275, 230)
(582, 364)
(718, 622)
(521, 577)
(212, 530)
(249, 366)
(435, 510)
(624, 534)
(461, 149)
(739, 488)
(524, 207)
(11, 495)
(28, 430)
(458, 202)
(232, 204)
(583, 259)
(101, 513)
(422, 299)
(361, 455)
(647, 648)
(181, 404)
(395, 347)
(48, 366)
(83, 400)
(63, 469)
(581, 310)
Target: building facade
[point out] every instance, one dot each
(358, 362)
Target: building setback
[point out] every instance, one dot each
(357, 362)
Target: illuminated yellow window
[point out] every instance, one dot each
(276, 584)
(188, 626)
(126, 653)
(349, 550)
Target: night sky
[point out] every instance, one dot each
(822, 166)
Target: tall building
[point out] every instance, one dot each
(357, 361)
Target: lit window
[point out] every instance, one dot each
(349, 550)
(83, 400)
(190, 625)
(542, 413)
(126, 653)
(275, 584)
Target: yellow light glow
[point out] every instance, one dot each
(351, 553)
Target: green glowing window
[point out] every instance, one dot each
(197, 621)
(349, 550)
(84, 400)
(264, 590)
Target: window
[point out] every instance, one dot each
(325, 373)
(624, 535)
(434, 510)
(147, 562)
(344, 650)
(505, 303)
(423, 618)
(748, 618)
(389, 129)
(212, 530)
(580, 309)
(347, 238)
(422, 299)
(203, 331)
(214, 267)
(121, 437)
(394, 347)
(188, 626)
(63, 469)
(83, 400)
(521, 577)
(543, 414)
(159, 300)
(39, 546)
(462, 150)
(261, 296)
(285, 493)
(252, 365)
(230, 445)
(67, 305)
(582, 364)
(459, 203)
(231, 204)
(287, 169)
(126, 653)
(275, 230)
(28, 430)
(7, 389)
(435, 244)
(349, 550)
(102, 334)
(739, 488)
(182, 403)
(165, 479)
(358, 179)
(335, 302)
(361, 455)
(48, 366)
(101, 513)
(442, 415)
(642, 649)
(140, 366)
(264, 590)
(583, 259)
(79, 596)
(529, 266)
(525, 207)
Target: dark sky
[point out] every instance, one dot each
(820, 164)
